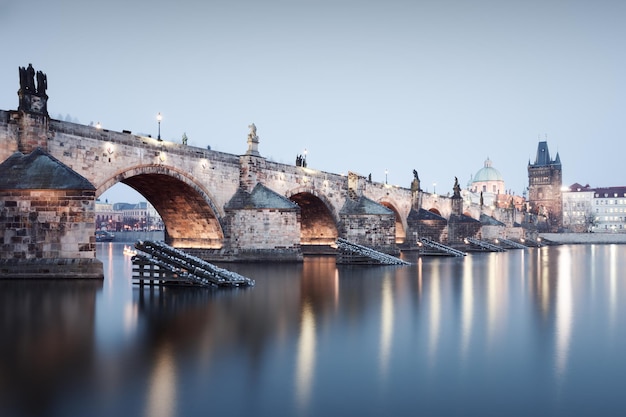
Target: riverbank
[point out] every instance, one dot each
(584, 238)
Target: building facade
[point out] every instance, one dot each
(578, 212)
(116, 217)
(609, 209)
(600, 210)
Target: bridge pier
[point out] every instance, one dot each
(46, 220)
(261, 225)
(367, 223)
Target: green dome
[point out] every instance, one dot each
(487, 173)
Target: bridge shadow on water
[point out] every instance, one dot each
(47, 339)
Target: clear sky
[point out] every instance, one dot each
(363, 86)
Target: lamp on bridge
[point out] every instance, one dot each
(386, 172)
(159, 118)
(304, 160)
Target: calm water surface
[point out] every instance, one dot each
(537, 332)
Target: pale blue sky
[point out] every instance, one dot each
(364, 86)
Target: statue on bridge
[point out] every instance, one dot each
(33, 99)
(415, 184)
(300, 161)
(42, 83)
(252, 134)
(456, 188)
(27, 81)
(253, 141)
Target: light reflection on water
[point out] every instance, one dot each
(533, 332)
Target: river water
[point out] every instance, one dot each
(536, 332)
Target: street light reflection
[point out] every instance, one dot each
(306, 356)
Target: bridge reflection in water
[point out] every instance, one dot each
(515, 333)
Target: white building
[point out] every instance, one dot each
(601, 210)
(578, 213)
(609, 209)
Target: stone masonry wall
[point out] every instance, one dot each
(47, 224)
(104, 156)
(8, 135)
(374, 231)
(48, 234)
(264, 229)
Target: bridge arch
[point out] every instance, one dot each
(400, 221)
(318, 218)
(435, 210)
(188, 211)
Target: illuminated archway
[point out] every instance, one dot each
(318, 225)
(190, 218)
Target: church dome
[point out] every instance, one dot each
(487, 173)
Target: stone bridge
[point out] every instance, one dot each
(214, 203)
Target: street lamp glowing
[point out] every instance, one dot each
(159, 118)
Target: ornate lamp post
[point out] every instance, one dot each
(159, 118)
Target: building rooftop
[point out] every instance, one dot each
(487, 173)
(39, 171)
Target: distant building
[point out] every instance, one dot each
(609, 209)
(487, 180)
(487, 187)
(125, 216)
(578, 213)
(544, 189)
(587, 209)
(107, 218)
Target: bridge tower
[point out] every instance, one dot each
(544, 188)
